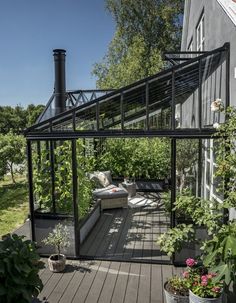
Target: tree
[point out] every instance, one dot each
(16, 119)
(144, 30)
(12, 154)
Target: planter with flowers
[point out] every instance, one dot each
(203, 285)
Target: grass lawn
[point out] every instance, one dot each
(13, 204)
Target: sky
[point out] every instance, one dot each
(31, 29)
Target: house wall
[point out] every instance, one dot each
(219, 28)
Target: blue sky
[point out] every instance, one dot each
(31, 29)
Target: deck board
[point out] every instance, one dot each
(106, 282)
(127, 234)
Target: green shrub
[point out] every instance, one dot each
(19, 267)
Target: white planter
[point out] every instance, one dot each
(171, 298)
(196, 299)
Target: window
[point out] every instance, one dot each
(200, 34)
(190, 47)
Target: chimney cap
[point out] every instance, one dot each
(59, 50)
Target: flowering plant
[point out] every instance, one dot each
(217, 105)
(200, 282)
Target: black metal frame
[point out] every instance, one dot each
(44, 131)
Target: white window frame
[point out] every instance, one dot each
(210, 161)
(200, 34)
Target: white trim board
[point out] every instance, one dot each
(229, 6)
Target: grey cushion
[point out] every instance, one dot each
(109, 192)
(100, 179)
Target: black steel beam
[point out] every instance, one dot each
(177, 133)
(31, 189)
(75, 198)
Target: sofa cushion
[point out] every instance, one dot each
(111, 191)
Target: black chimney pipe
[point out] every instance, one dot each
(60, 80)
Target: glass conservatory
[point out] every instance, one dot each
(157, 132)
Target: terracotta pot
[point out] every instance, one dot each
(196, 299)
(56, 265)
(171, 298)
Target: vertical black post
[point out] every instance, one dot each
(147, 105)
(39, 155)
(75, 199)
(173, 180)
(122, 110)
(173, 186)
(73, 121)
(227, 104)
(227, 78)
(97, 116)
(52, 164)
(31, 190)
(173, 101)
(200, 95)
(199, 189)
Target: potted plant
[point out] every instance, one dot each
(202, 285)
(19, 268)
(59, 239)
(176, 290)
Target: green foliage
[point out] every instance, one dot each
(138, 158)
(19, 267)
(177, 286)
(202, 212)
(12, 154)
(42, 179)
(220, 253)
(186, 160)
(226, 158)
(63, 178)
(144, 29)
(14, 204)
(59, 238)
(173, 239)
(16, 119)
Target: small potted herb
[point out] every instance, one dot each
(59, 239)
(176, 290)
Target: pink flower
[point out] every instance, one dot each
(185, 274)
(191, 262)
(204, 278)
(216, 289)
(204, 283)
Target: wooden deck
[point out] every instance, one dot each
(105, 282)
(127, 234)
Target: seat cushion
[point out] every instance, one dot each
(110, 192)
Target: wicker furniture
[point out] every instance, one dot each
(111, 197)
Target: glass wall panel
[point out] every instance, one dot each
(134, 107)
(213, 89)
(110, 113)
(52, 184)
(159, 102)
(86, 118)
(186, 96)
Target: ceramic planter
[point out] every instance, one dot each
(171, 298)
(196, 299)
(56, 265)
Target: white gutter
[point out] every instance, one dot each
(229, 6)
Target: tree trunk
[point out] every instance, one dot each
(12, 173)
